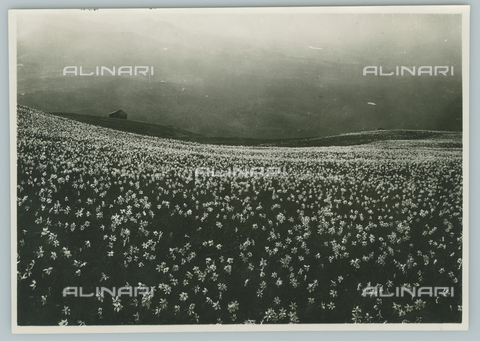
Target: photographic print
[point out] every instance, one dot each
(239, 169)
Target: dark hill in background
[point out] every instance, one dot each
(162, 131)
(135, 127)
(224, 86)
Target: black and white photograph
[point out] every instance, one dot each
(239, 169)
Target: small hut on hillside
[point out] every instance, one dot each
(118, 114)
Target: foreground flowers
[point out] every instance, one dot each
(98, 207)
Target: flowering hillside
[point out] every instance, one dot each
(103, 208)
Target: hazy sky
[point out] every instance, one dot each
(274, 28)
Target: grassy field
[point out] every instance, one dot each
(102, 207)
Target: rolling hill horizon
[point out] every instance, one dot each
(171, 132)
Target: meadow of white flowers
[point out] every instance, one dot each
(98, 207)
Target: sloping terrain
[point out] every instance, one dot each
(158, 130)
(97, 207)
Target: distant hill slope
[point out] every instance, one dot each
(158, 130)
(130, 126)
(359, 138)
(365, 137)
